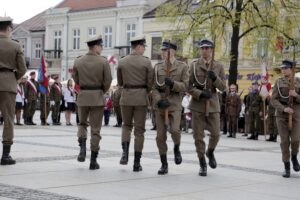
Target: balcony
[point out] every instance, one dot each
(53, 54)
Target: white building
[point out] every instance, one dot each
(72, 22)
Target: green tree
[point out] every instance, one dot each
(243, 18)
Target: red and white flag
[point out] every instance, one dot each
(265, 84)
(111, 59)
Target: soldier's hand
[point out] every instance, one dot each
(169, 81)
(205, 94)
(52, 103)
(211, 74)
(163, 103)
(26, 100)
(288, 110)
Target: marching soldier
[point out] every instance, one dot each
(12, 68)
(280, 100)
(233, 109)
(199, 77)
(254, 108)
(55, 100)
(177, 82)
(116, 104)
(92, 73)
(272, 127)
(135, 75)
(31, 96)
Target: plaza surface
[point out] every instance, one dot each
(47, 169)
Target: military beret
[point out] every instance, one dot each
(205, 43)
(168, 44)
(287, 63)
(5, 19)
(95, 40)
(32, 73)
(138, 40)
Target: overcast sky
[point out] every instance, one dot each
(21, 10)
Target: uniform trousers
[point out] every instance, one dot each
(201, 123)
(95, 116)
(134, 116)
(7, 108)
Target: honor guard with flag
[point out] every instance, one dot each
(12, 68)
(31, 96)
(55, 99)
(170, 82)
(92, 73)
(135, 75)
(206, 76)
(285, 90)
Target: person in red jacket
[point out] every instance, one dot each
(107, 108)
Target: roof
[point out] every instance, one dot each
(36, 23)
(152, 13)
(79, 5)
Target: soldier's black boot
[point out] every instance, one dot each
(93, 164)
(275, 138)
(295, 162)
(6, 158)
(255, 136)
(137, 159)
(287, 170)
(211, 158)
(164, 165)
(43, 122)
(203, 167)
(124, 158)
(252, 136)
(177, 155)
(82, 152)
(230, 135)
(271, 138)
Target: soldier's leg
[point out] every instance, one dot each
(161, 136)
(127, 116)
(230, 125)
(32, 111)
(139, 116)
(198, 134)
(282, 125)
(295, 139)
(28, 112)
(82, 131)
(251, 120)
(234, 125)
(175, 118)
(7, 107)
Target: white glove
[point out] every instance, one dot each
(66, 104)
(26, 101)
(52, 103)
(22, 103)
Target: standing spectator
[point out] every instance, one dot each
(69, 99)
(55, 100)
(107, 108)
(186, 111)
(20, 99)
(76, 90)
(116, 105)
(23, 83)
(31, 96)
(45, 106)
(223, 114)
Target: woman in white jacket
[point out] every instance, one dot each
(69, 97)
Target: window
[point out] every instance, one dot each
(155, 48)
(130, 32)
(76, 39)
(107, 37)
(37, 52)
(57, 40)
(92, 32)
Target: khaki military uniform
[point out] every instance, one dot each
(45, 106)
(197, 82)
(272, 127)
(279, 100)
(233, 108)
(31, 96)
(56, 96)
(179, 74)
(12, 68)
(254, 107)
(116, 104)
(92, 73)
(135, 75)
